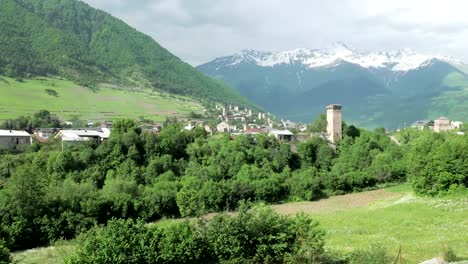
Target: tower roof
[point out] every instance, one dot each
(334, 106)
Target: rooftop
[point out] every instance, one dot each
(14, 133)
(281, 132)
(334, 106)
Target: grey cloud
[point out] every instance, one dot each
(200, 30)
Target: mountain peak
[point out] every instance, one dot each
(399, 60)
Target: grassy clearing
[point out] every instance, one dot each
(52, 255)
(393, 217)
(28, 96)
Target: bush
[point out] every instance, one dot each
(375, 254)
(51, 92)
(305, 185)
(257, 235)
(121, 241)
(5, 256)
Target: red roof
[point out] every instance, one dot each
(40, 139)
(253, 131)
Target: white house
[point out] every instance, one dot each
(281, 135)
(9, 139)
(456, 124)
(225, 127)
(79, 136)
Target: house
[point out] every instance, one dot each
(253, 131)
(10, 139)
(420, 124)
(441, 124)
(224, 127)
(208, 129)
(43, 134)
(79, 136)
(456, 125)
(281, 135)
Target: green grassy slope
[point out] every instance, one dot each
(419, 226)
(26, 97)
(453, 100)
(73, 40)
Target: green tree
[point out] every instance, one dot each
(319, 124)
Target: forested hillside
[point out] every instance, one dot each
(70, 39)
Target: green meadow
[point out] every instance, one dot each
(24, 97)
(422, 227)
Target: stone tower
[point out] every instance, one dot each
(334, 132)
(441, 124)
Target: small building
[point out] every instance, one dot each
(456, 125)
(421, 124)
(441, 124)
(10, 139)
(281, 135)
(43, 134)
(208, 129)
(79, 136)
(253, 131)
(224, 127)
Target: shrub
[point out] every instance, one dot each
(305, 185)
(257, 235)
(51, 92)
(121, 241)
(375, 254)
(5, 256)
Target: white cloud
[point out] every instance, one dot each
(198, 31)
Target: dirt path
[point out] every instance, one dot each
(337, 203)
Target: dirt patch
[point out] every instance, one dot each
(337, 203)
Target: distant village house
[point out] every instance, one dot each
(282, 135)
(10, 139)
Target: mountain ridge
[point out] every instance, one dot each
(292, 89)
(398, 60)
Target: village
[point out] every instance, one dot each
(224, 119)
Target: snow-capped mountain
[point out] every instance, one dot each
(382, 88)
(400, 60)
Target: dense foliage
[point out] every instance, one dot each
(5, 256)
(257, 235)
(70, 39)
(48, 194)
(436, 162)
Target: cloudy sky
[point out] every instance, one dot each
(200, 30)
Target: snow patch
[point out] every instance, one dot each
(400, 60)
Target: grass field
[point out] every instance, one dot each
(28, 96)
(393, 217)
